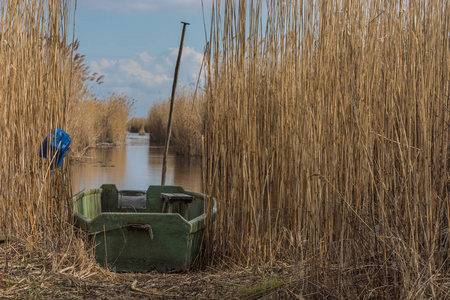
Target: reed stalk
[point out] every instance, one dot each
(326, 142)
(35, 90)
(187, 127)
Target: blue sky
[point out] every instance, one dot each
(134, 44)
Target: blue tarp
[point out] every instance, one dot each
(57, 148)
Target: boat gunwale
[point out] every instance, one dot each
(85, 222)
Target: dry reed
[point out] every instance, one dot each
(326, 141)
(137, 125)
(94, 121)
(35, 90)
(40, 79)
(187, 122)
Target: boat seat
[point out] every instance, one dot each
(183, 201)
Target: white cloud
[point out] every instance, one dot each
(105, 63)
(132, 72)
(95, 68)
(145, 57)
(168, 61)
(190, 54)
(160, 69)
(144, 76)
(173, 51)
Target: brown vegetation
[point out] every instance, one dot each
(41, 88)
(187, 123)
(33, 277)
(326, 141)
(137, 125)
(36, 89)
(157, 122)
(95, 121)
(92, 120)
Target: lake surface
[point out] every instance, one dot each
(135, 166)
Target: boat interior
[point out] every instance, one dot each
(156, 199)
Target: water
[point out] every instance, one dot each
(135, 166)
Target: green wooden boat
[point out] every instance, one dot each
(160, 228)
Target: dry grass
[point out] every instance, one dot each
(137, 125)
(40, 81)
(34, 277)
(92, 120)
(96, 121)
(35, 89)
(187, 123)
(326, 140)
(157, 118)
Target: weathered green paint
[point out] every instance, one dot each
(109, 192)
(154, 202)
(144, 239)
(88, 203)
(135, 250)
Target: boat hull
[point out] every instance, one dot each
(141, 239)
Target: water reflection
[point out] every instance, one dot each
(135, 166)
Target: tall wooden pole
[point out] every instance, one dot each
(172, 98)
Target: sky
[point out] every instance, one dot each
(134, 44)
